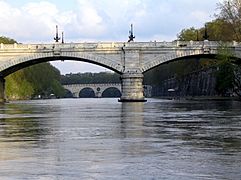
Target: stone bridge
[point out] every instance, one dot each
(98, 89)
(129, 59)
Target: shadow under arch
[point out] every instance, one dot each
(173, 58)
(86, 93)
(111, 92)
(9, 69)
(182, 58)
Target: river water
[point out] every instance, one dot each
(104, 139)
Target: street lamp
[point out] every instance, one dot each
(131, 36)
(57, 38)
(205, 36)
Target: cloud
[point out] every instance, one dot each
(102, 20)
(27, 23)
(41, 10)
(86, 22)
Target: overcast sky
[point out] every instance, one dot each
(33, 21)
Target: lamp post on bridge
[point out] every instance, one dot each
(131, 34)
(205, 36)
(206, 48)
(57, 38)
(197, 33)
(62, 37)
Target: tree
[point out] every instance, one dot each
(188, 34)
(6, 40)
(218, 30)
(89, 78)
(230, 11)
(228, 74)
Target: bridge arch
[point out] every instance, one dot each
(86, 92)
(111, 92)
(17, 63)
(173, 57)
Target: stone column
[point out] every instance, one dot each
(132, 88)
(2, 88)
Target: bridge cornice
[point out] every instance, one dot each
(117, 45)
(92, 85)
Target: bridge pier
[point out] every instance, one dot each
(132, 88)
(2, 89)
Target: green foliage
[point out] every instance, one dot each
(17, 86)
(188, 34)
(90, 78)
(225, 78)
(6, 40)
(218, 30)
(225, 54)
(41, 79)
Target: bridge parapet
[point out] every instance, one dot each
(93, 85)
(104, 45)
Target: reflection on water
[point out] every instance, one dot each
(132, 119)
(101, 138)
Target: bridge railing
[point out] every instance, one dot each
(93, 85)
(104, 45)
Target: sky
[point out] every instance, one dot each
(34, 21)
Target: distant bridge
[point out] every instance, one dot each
(99, 89)
(129, 59)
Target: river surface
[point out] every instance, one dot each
(104, 139)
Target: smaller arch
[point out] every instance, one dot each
(111, 92)
(87, 92)
(68, 94)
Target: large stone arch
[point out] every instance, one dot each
(13, 64)
(152, 63)
(117, 86)
(182, 54)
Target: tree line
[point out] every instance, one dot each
(90, 78)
